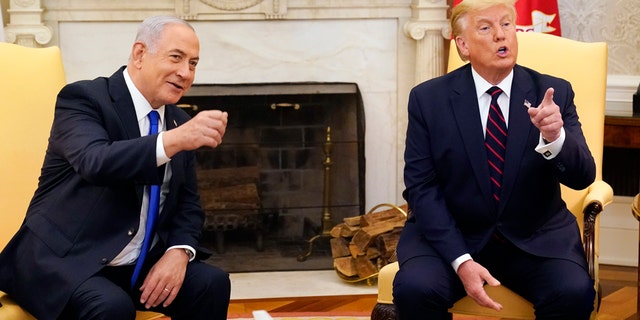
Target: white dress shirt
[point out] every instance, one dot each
(129, 255)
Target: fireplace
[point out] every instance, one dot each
(268, 175)
(341, 42)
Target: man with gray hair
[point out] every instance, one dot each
(114, 224)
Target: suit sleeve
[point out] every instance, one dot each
(574, 165)
(423, 192)
(89, 133)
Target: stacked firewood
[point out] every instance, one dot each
(361, 245)
(229, 197)
(230, 200)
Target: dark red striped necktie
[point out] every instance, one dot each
(495, 141)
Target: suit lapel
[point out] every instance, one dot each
(520, 127)
(177, 161)
(465, 108)
(123, 104)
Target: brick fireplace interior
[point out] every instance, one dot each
(266, 183)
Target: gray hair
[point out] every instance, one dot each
(151, 29)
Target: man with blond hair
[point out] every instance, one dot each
(487, 148)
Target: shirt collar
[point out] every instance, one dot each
(483, 85)
(140, 103)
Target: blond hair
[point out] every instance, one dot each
(460, 11)
(459, 21)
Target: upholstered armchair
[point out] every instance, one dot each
(585, 66)
(31, 79)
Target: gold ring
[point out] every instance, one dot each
(167, 290)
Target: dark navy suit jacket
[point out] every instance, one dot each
(447, 178)
(87, 204)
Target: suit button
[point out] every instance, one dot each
(104, 261)
(130, 232)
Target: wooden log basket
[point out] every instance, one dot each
(362, 245)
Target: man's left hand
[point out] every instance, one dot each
(547, 118)
(164, 279)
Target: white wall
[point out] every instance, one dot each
(619, 234)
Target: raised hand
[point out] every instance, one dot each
(205, 129)
(547, 118)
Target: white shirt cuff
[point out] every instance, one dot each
(550, 150)
(457, 262)
(161, 156)
(188, 249)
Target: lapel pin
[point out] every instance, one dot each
(175, 123)
(527, 104)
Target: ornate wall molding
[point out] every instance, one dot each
(25, 24)
(429, 27)
(232, 5)
(247, 9)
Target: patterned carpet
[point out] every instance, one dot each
(311, 318)
(261, 315)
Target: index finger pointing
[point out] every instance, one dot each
(548, 98)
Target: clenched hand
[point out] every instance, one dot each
(205, 129)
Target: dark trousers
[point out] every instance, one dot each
(107, 295)
(426, 286)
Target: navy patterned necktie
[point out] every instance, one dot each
(495, 141)
(152, 214)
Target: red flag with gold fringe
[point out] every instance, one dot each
(536, 16)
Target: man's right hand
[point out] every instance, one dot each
(205, 129)
(473, 277)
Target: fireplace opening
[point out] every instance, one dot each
(292, 152)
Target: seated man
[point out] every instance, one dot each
(80, 253)
(482, 172)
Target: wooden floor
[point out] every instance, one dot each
(619, 289)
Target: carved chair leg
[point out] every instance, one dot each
(384, 312)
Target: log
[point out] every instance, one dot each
(244, 193)
(352, 221)
(379, 216)
(363, 237)
(343, 230)
(367, 242)
(230, 198)
(372, 253)
(335, 231)
(364, 267)
(229, 206)
(353, 249)
(346, 266)
(387, 243)
(339, 247)
(223, 177)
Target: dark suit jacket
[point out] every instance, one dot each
(87, 204)
(447, 178)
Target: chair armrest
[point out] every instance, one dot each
(385, 282)
(598, 196)
(599, 191)
(11, 310)
(385, 309)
